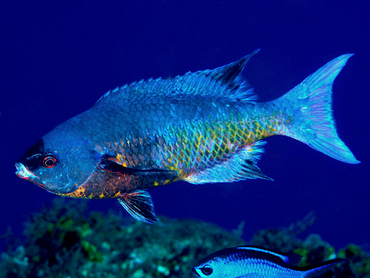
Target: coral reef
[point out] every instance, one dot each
(311, 250)
(359, 260)
(64, 241)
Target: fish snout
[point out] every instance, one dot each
(22, 172)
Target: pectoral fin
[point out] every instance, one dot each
(140, 205)
(113, 165)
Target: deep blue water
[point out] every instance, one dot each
(58, 58)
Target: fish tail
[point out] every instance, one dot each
(318, 269)
(309, 116)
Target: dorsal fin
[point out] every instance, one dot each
(224, 81)
(227, 74)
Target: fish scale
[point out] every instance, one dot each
(202, 127)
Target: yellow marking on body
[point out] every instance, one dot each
(156, 183)
(119, 158)
(117, 194)
(82, 191)
(101, 196)
(166, 182)
(78, 193)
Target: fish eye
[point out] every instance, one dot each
(49, 161)
(206, 270)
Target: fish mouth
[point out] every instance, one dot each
(23, 173)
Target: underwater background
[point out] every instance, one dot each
(59, 57)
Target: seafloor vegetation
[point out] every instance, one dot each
(64, 241)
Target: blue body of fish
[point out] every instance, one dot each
(202, 127)
(255, 262)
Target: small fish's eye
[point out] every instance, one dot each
(49, 161)
(207, 270)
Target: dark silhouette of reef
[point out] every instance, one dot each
(64, 241)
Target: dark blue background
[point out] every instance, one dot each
(59, 57)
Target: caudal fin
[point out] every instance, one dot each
(311, 113)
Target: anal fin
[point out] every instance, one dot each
(139, 205)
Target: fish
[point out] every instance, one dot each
(201, 127)
(256, 262)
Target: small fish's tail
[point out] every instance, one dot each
(309, 113)
(318, 269)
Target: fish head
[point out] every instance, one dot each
(58, 162)
(211, 267)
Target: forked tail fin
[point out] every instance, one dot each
(311, 114)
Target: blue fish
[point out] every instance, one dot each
(255, 262)
(202, 127)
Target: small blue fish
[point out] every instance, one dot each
(255, 262)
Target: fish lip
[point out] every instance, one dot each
(23, 173)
